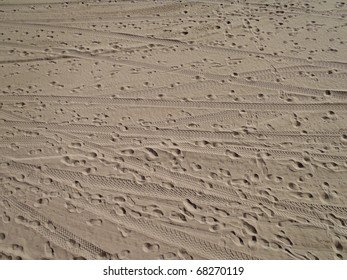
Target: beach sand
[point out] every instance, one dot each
(173, 129)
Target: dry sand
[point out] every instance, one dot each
(173, 129)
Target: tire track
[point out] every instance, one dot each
(26, 140)
(183, 88)
(125, 186)
(26, 60)
(280, 207)
(289, 10)
(133, 102)
(220, 136)
(273, 71)
(159, 162)
(155, 230)
(223, 115)
(56, 233)
(315, 74)
(11, 114)
(256, 152)
(185, 180)
(188, 72)
(102, 210)
(170, 42)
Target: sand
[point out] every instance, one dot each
(173, 129)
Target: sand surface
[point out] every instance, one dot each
(173, 129)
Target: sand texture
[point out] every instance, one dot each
(173, 129)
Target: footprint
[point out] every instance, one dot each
(338, 248)
(184, 255)
(124, 254)
(17, 248)
(237, 240)
(151, 153)
(190, 206)
(232, 155)
(150, 247)
(6, 218)
(168, 256)
(94, 222)
(41, 202)
(284, 240)
(2, 236)
(249, 229)
(195, 166)
(177, 217)
(48, 249)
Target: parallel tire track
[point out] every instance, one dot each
(152, 229)
(59, 236)
(127, 102)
